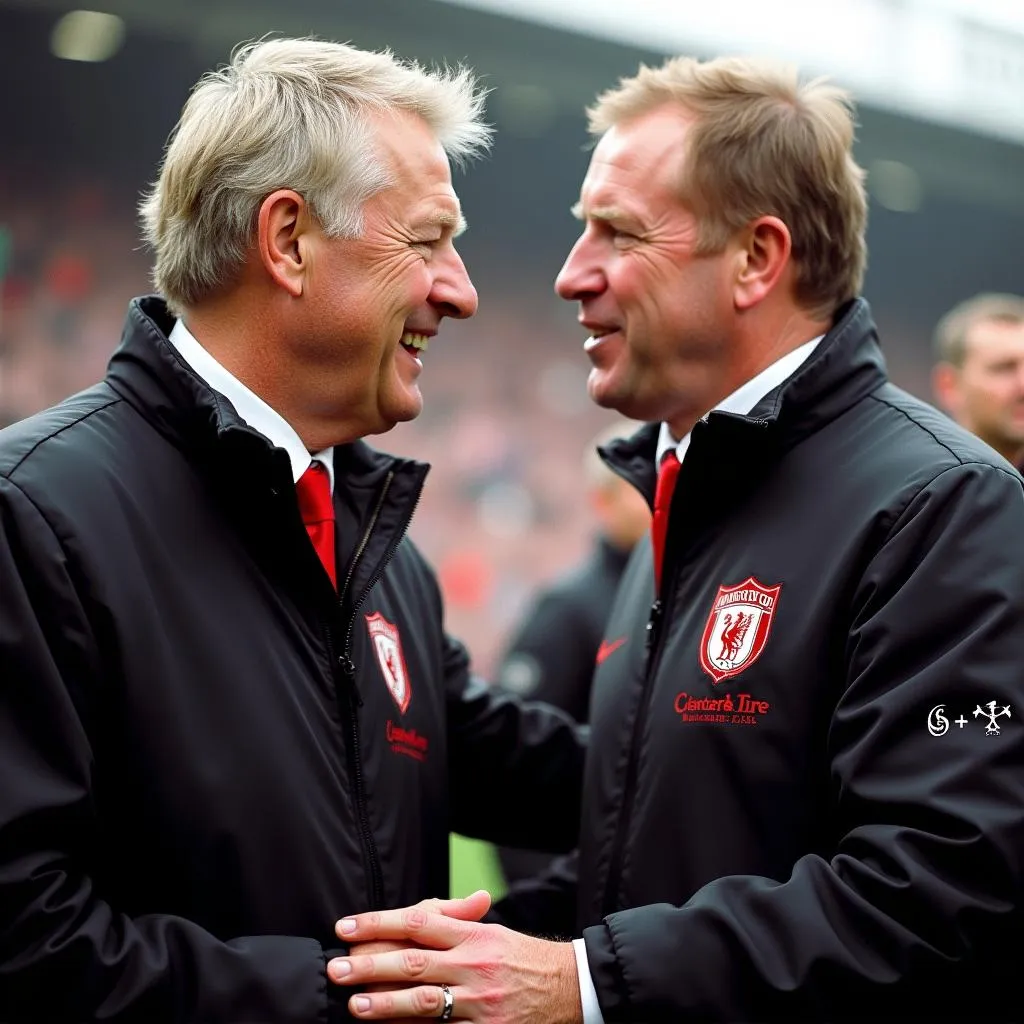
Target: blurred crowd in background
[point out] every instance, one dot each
(71, 261)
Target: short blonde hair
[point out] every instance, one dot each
(287, 113)
(953, 329)
(762, 144)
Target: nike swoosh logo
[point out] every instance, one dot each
(608, 648)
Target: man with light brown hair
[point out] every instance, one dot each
(804, 797)
(979, 374)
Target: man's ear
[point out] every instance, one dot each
(282, 237)
(599, 500)
(945, 385)
(761, 261)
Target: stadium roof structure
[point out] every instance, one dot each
(545, 65)
(956, 62)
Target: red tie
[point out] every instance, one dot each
(317, 510)
(662, 500)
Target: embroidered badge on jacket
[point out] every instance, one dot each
(388, 646)
(737, 628)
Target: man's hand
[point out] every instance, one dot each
(493, 973)
(472, 908)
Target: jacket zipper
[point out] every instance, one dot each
(345, 660)
(348, 667)
(652, 643)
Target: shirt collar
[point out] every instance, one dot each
(249, 406)
(746, 396)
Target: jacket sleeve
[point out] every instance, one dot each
(551, 658)
(923, 882)
(65, 953)
(515, 768)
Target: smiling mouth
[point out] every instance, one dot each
(415, 344)
(596, 337)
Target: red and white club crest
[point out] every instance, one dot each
(737, 627)
(388, 646)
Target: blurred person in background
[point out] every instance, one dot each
(553, 651)
(229, 711)
(804, 797)
(979, 373)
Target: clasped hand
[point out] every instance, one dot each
(400, 959)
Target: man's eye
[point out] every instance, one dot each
(615, 233)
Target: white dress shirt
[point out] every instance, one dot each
(249, 406)
(746, 396)
(741, 402)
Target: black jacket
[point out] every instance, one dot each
(552, 654)
(201, 765)
(808, 817)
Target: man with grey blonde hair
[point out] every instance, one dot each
(803, 797)
(229, 710)
(978, 376)
(294, 111)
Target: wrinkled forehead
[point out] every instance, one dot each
(418, 166)
(642, 157)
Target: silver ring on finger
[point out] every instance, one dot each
(449, 1004)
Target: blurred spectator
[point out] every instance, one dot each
(979, 374)
(70, 261)
(552, 654)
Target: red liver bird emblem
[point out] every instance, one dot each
(737, 628)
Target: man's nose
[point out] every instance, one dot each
(453, 293)
(580, 274)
